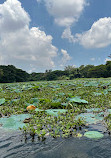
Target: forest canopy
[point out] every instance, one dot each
(10, 73)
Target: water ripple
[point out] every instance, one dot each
(12, 145)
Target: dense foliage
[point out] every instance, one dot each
(12, 74)
(62, 108)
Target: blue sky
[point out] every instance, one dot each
(46, 34)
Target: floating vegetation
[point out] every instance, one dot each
(93, 134)
(2, 101)
(90, 118)
(55, 112)
(54, 123)
(57, 108)
(78, 100)
(13, 122)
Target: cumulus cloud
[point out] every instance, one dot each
(67, 34)
(65, 12)
(98, 36)
(20, 44)
(12, 16)
(65, 57)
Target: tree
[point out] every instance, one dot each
(84, 70)
(97, 71)
(108, 68)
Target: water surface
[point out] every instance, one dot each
(13, 145)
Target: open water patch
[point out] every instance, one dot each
(12, 145)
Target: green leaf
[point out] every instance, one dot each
(78, 100)
(34, 100)
(93, 134)
(2, 101)
(54, 112)
(97, 94)
(14, 122)
(37, 109)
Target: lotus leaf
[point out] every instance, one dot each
(14, 100)
(34, 100)
(17, 91)
(92, 84)
(64, 104)
(93, 109)
(90, 118)
(54, 112)
(37, 109)
(105, 92)
(14, 122)
(61, 94)
(97, 94)
(78, 100)
(109, 110)
(2, 101)
(56, 100)
(93, 134)
(109, 90)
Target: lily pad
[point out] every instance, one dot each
(90, 118)
(109, 111)
(78, 100)
(105, 92)
(34, 100)
(97, 94)
(93, 134)
(109, 90)
(54, 112)
(94, 110)
(91, 84)
(37, 110)
(2, 101)
(64, 104)
(17, 91)
(13, 122)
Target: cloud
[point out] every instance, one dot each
(66, 57)
(67, 34)
(98, 36)
(65, 12)
(92, 59)
(20, 45)
(12, 16)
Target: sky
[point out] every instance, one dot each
(38, 35)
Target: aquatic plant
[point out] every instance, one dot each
(93, 134)
(57, 104)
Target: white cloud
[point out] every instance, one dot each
(12, 16)
(67, 34)
(65, 12)
(98, 36)
(66, 57)
(21, 45)
(92, 59)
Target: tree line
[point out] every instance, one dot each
(10, 73)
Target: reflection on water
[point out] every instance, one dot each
(12, 145)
